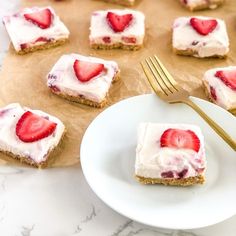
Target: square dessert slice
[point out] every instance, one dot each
(193, 5)
(117, 29)
(29, 135)
(35, 28)
(220, 86)
(170, 154)
(200, 37)
(121, 2)
(83, 79)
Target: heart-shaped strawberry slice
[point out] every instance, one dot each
(119, 22)
(178, 138)
(228, 77)
(85, 70)
(31, 127)
(202, 26)
(41, 18)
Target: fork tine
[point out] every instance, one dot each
(160, 75)
(166, 73)
(153, 84)
(155, 77)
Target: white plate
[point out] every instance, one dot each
(108, 157)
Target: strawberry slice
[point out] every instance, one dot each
(42, 18)
(203, 27)
(31, 127)
(228, 77)
(178, 138)
(85, 70)
(119, 22)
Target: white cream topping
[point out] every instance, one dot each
(226, 97)
(195, 3)
(100, 28)
(10, 142)
(186, 37)
(63, 77)
(152, 159)
(22, 31)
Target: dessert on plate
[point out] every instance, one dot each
(193, 5)
(170, 154)
(121, 2)
(117, 29)
(220, 86)
(83, 79)
(29, 135)
(200, 36)
(35, 28)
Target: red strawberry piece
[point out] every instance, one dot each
(41, 39)
(85, 70)
(178, 138)
(182, 173)
(167, 174)
(213, 93)
(203, 27)
(119, 22)
(106, 39)
(23, 46)
(54, 88)
(228, 77)
(42, 18)
(31, 127)
(129, 39)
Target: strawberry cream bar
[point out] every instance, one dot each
(29, 135)
(35, 28)
(170, 154)
(117, 29)
(220, 86)
(200, 37)
(193, 5)
(121, 2)
(82, 79)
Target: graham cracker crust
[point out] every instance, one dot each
(26, 160)
(214, 4)
(116, 46)
(84, 101)
(200, 179)
(121, 2)
(43, 46)
(190, 52)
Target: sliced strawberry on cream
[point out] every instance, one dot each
(41, 18)
(32, 127)
(177, 138)
(170, 154)
(203, 26)
(85, 70)
(119, 22)
(228, 77)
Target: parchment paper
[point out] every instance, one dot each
(23, 78)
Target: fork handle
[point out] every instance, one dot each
(212, 123)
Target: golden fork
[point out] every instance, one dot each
(167, 89)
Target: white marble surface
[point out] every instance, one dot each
(59, 202)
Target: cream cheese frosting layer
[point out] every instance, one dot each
(152, 160)
(9, 141)
(23, 32)
(212, 4)
(226, 97)
(99, 28)
(185, 37)
(62, 76)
